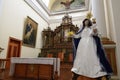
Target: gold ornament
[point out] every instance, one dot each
(89, 15)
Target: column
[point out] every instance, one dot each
(99, 13)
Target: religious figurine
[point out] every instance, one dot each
(67, 3)
(89, 55)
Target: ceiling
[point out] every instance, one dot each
(56, 6)
(52, 10)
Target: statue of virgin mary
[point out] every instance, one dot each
(89, 56)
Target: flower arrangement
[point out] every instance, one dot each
(70, 33)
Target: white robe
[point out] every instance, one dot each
(86, 61)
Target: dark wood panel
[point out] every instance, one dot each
(112, 58)
(46, 71)
(20, 70)
(34, 71)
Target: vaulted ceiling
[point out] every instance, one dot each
(53, 10)
(55, 5)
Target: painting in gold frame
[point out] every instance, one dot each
(30, 32)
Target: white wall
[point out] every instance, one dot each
(14, 13)
(1, 5)
(116, 18)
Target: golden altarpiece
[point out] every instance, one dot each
(57, 44)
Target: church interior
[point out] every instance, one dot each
(34, 42)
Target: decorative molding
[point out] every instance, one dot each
(37, 10)
(109, 46)
(107, 41)
(43, 6)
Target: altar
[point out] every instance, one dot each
(56, 43)
(35, 68)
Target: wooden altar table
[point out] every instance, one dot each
(37, 68)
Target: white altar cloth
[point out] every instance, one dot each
(50, 61)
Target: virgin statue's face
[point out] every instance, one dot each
(86, 23)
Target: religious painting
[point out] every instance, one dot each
(30, 32)
(62, 5)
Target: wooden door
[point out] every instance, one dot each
(14, 50)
